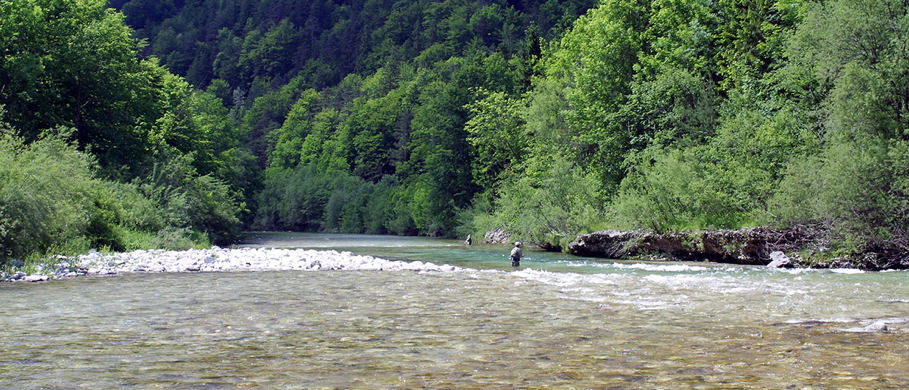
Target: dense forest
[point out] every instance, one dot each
(140, 123)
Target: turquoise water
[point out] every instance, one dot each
(557, 322)
(441, 251)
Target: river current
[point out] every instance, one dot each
(557, 322)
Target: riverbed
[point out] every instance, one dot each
(555, 322)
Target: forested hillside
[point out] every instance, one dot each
(547, 118)
(357, 110)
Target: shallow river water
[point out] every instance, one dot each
(557, 322)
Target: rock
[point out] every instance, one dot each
(116, 263)
(217, 259)
(612, 244)
(877, 327)
(497, 236)
(35, 278)
(743, 246)
(778, 260)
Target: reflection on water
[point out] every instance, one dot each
(606, 325)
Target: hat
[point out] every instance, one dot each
(517, 243)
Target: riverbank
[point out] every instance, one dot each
(793, 247)
(215, 259)
(799, 247)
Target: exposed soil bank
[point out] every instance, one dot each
(798, 247)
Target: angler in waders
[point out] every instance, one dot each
(516, 255)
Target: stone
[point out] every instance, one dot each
(743, 246)
(607, 243)
(779, 260)
(35, 278)
(877, 327)
(497, 236)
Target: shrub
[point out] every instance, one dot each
(189, 201)
(46, 196)
(550, 209)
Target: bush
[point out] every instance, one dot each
(50, 203)
(189, 201)
(860, 191)
(677, 190)
(551, 209)
(46, 196)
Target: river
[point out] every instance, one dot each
(557, 322)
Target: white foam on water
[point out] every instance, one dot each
(799, 271)
(867, 325)
(663, 267)
(680, 289)
(880, 325)
(624, 289)
(820, 320)
(567, 279)
(846, 271)
(675, 267)
(667, 289)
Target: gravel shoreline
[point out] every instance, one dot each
(217, 259)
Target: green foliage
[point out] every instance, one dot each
(496, 132)
(307, 199)
(287, 140)
(595, 63)
(188, 200)
(75, 65)
(857, 51)
(51, 203)
(551, 209)
(384, 150)
(685, 190)
(46, 196)
(446, 117)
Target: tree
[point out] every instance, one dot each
(496, 132)
(76, 64)
(857, 53)
(70, 64)
(595, 63)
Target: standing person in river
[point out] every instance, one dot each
(516, 255)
